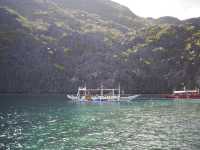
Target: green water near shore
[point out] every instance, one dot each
(51, 122)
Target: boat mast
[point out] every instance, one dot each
(85, 90)
(78, 94)
(101, 92)
(119, 92)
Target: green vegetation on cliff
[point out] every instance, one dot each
(56, 45)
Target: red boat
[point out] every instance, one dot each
(186, 94)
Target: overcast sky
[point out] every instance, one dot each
(182, 9)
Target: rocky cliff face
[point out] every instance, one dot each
(56, 45)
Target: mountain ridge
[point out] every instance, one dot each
(55, 46)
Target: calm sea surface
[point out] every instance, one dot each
(53, 123)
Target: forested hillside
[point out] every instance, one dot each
(53, 46)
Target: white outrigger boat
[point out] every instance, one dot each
(99, 94)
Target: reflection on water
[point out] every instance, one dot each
(50, 122)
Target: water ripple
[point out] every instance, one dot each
(144, 125)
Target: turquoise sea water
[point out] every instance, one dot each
(53, 123)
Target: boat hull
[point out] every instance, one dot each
(102, 99)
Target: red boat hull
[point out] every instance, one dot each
(182, 96)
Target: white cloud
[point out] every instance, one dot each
(157, 8)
